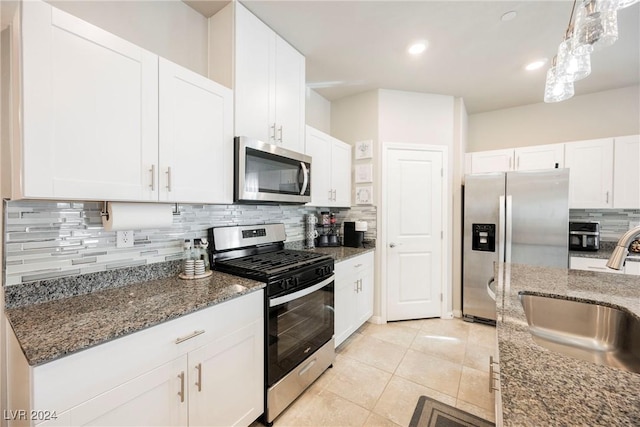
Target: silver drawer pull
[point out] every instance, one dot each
(188, 337)
(181, 392)
(357, 266)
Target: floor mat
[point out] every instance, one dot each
(431, 413)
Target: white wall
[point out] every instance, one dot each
(602, 114)
(416, 118)
(355, 118)
(170, 29)
(318, 111)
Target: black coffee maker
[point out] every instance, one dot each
(354, 233)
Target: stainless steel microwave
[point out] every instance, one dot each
(267, 173)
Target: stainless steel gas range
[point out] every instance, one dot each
(299, 303)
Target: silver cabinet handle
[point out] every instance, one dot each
(335, 195)
(188, 337)
(607, 198)
(153, 177)
(181, 392)
(199, 380)
(280, 130)
(168, 178)
(357, 266)
(273, 135)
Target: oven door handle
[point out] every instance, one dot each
(306, 291)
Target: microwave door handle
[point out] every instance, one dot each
(305, 178)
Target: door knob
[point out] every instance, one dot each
(392, 245)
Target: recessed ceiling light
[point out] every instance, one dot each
(418, 47)
(508, 16)
(535, 65)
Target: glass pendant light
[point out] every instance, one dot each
(569, 66)
(618, 4)
(557, 89)
(595, 27)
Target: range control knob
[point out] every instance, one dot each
(320, 271)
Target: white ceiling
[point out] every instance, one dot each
(355, 46)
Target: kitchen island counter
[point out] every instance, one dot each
(542, 387)
(54, 329)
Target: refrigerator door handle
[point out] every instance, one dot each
(508, 224)
(501, 228)
(490, 290)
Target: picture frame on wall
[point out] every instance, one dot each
(364, 195)
(364, 149)
(364, 173)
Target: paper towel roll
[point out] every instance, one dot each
(136, 216)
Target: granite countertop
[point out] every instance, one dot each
(54, 329)
(341, 253)
(542, 387)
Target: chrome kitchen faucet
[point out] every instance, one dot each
(616, 260)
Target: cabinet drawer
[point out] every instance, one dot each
(592, 264)
(107, 365)
(356, 264)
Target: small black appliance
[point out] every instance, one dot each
(353, 236)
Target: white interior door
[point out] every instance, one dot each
(413, 188)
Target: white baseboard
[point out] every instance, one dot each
(447, 315)
(376, 320)
(457, 313)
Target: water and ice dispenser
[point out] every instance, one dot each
(483, 237)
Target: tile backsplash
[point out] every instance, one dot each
(613, 222)
(46, 240)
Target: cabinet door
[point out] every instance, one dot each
(157, 398)
(626, 172)
(364, 308)
(90, 110)
(539, 157)
(226, 379)
(318, 146)
(341, 173)
(254, 77)
(492, 161)
(289, 96)
(591, 173)
(345, 302)
(196, 137)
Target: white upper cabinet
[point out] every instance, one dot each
(103, 119)
(196, 149)
(626, 172)
(330, 169)
(591, 173)
(539, 157)
(517, 159)
(491, 161)
(269, 84)
(90, 111)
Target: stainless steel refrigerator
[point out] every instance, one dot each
(512, 217)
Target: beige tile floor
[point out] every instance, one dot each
(381, 370)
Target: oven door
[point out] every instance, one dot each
(299, 324)
(270, 174)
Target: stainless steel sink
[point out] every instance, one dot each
(588, 331)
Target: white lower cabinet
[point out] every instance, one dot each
(202, 369)
(592, 264)
(353, 295)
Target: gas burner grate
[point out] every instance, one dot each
(271, 262)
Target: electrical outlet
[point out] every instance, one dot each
(124, 239)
